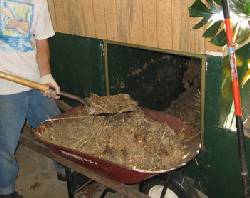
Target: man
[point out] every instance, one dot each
(25, 26)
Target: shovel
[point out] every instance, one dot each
(46, 88)
(236, 98)
(38, 86)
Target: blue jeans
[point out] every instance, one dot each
(15, 109)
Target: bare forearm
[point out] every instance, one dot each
(43, 56)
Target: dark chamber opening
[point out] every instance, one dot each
(157, 80)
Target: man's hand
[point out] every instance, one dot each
(49, 80)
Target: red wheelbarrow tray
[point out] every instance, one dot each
(115, 171)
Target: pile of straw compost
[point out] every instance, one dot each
(187, 108)
(129, 139)
(110, 104)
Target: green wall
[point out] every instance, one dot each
(217, 169)
(78, 65)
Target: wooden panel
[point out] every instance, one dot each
(73, 13)
(149, 23)
(52, 12)
(59, 16)
(110, 9)
(135, 21)
(163, 24)
(184, 28)
(100, 20)
(176, 23)
(123, 21)
(88, 15)
(196, 41)
(210, 47)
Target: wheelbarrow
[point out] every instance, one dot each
(109, 169)
(115, 171)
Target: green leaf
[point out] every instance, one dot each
(210, 2)
(241, 6)
(218, 36)
(243, 35)
(212, 30)
(199, 9)
(247, 8)
(218, 2)
(220, 39)
(201, 23)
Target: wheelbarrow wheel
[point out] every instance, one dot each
(174, 186)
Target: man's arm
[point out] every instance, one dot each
(43, 56)
(43, 60)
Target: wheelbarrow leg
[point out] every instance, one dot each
(75, 182)
(69, 182)
(165, 185)
(107, 190)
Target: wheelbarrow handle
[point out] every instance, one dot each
(25, 82)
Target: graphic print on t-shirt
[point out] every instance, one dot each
(16, 17)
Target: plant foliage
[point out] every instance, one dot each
(212, 15)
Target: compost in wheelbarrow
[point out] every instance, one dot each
(115, 171)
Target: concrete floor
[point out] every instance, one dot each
(37, 179)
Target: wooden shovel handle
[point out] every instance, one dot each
(36, 85)
(25, 82)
